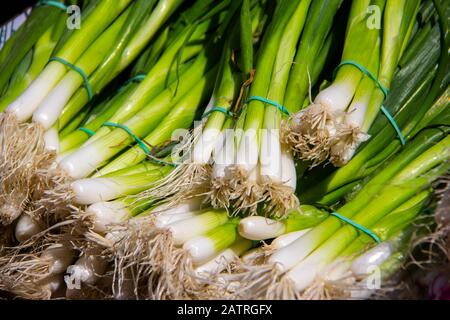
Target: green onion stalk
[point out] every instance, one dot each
(126, 54)
(176, 48)
(132, 40)
(123, 207)
(99, 46)
(250, 22)
(387, 204)
(166, 114)
(98, 16)
(243, 174)
(261, 228)
(338, 121)
(192, 175)
(150, 123)
(200, 241)
(106, 111)
(180, 249)
(127, 35)
(40, 22)
(346, 276)
(263, 173)
(362, 257)
(192, 84)
(151, 236)
(23, 153)
(277, 167)
(33, 62)
(87, 115)
(304, 259)
(418, 100)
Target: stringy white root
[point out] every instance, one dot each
(187, 180)
(279, 199)
(54, 203)
(26, 270)
(311, 133)
(346, 144)
(220, 192)
(246, 192)
(23, 164)
(146, 258)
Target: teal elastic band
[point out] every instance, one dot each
(139, 142)
(89, 132)
(55, 4)
(161, 162)
(394, 125)
(365, 71)
(382, 88)
(79, 71)
(273, 103)
(137, 78)
(219, 109)
(357, 226)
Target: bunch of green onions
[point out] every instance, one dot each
(95, 177)
(54, 98)
(337, 122)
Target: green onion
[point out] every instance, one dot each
(99, 15)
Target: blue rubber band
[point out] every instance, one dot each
(55, 4)
(79, 71)
(139, 142)
(89, 132)
(273, 103)
(357, 226)
(219, 109)
(382, 88)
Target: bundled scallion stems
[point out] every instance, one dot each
(176, 241)
(81, 64)
(241, 164)
(338, 121)
(335, 258)
(105, 175)
(381, 212)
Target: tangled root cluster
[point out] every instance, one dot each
(25, 271)
(319, 136)
(23, 165)
(310, 134)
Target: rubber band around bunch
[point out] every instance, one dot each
(89, 132)
(382, 88)
(223, 110)
(137, 78)
(141, 143)
(87, 85)
(272, 103)
(356, 225)
(55, 4)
